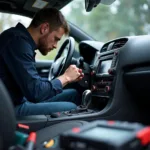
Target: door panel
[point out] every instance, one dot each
(43, 67)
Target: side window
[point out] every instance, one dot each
(11, 20)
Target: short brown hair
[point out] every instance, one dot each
(51, 15)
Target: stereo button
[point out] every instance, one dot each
(107, 89)
(112, 71)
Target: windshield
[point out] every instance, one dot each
(122, 18)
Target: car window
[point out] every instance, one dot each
(11, 20)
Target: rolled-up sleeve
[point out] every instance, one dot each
(19, 58)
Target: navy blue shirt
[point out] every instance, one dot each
(17, 68)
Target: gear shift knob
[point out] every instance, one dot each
(86, 98)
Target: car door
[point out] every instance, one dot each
(43, 67)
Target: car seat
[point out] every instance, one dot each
(8, 125)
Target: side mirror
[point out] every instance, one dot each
(90, 4)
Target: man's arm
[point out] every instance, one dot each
(20, 61)
(72, 74)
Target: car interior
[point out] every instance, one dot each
(115, 86)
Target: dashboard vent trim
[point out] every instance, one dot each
(104, 48)
(119, 43)
(114, 45)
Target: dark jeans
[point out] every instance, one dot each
(64, 101)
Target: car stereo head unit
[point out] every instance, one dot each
(104, 66)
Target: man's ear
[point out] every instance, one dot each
(44, 28)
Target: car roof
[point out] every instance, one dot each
(29, 7)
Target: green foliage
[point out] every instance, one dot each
(5, 21)
(50, 56)
(123, 18)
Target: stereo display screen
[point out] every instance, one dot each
(104, 66)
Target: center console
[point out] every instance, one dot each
(103, 76)
(102, 86)
(80, 110)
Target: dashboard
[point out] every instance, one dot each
(119, 66)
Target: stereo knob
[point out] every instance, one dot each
(112, 71)
(107, 89)
(93, 88)
(115, 53)
(92, 73)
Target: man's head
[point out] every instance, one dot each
(51, 26)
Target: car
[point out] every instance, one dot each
(111, 46)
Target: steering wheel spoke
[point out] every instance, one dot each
(61, 63)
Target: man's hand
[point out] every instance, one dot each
(81, 75)
(72, 74)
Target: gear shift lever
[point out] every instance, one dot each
(86, 98)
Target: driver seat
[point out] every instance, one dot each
(8, 125)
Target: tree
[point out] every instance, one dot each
(5, 21)
(123, 18)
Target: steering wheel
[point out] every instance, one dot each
(61, 63)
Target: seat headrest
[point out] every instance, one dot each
(7, 118)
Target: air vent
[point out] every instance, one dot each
(114, 45)
(119, 43)
(104, 48)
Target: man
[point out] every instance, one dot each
(31, 94)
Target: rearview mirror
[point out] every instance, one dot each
(89, 4)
